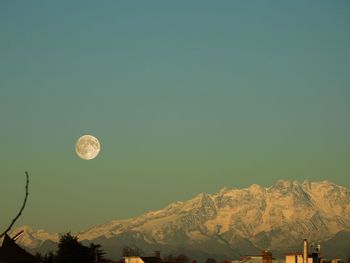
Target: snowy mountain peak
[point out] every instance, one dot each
(255, 217)
(255, 188)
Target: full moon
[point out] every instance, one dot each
(87, 147)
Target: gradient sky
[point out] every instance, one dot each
(185, 97)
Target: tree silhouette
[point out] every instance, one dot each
(97, 252)
(131, 251)
(70, 250)
(22, 207)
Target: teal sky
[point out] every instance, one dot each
(185, 97)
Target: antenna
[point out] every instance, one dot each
(18, 235)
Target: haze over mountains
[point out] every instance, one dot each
(229, 223)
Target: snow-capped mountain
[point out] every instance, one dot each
(230, 222)
(33, 238)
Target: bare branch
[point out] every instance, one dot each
(21, 210)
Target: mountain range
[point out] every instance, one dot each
(228, 224)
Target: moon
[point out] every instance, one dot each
(87, 147)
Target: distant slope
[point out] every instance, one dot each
(338, 246)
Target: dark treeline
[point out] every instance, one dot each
(70, 250)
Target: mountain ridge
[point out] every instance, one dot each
(233, 221)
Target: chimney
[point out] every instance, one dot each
(305, 254)
(157, 254)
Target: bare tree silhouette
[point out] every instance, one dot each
(22, 208)
(131, 251)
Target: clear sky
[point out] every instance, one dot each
(185, 97)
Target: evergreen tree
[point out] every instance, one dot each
(97, 252)
(70, 250)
